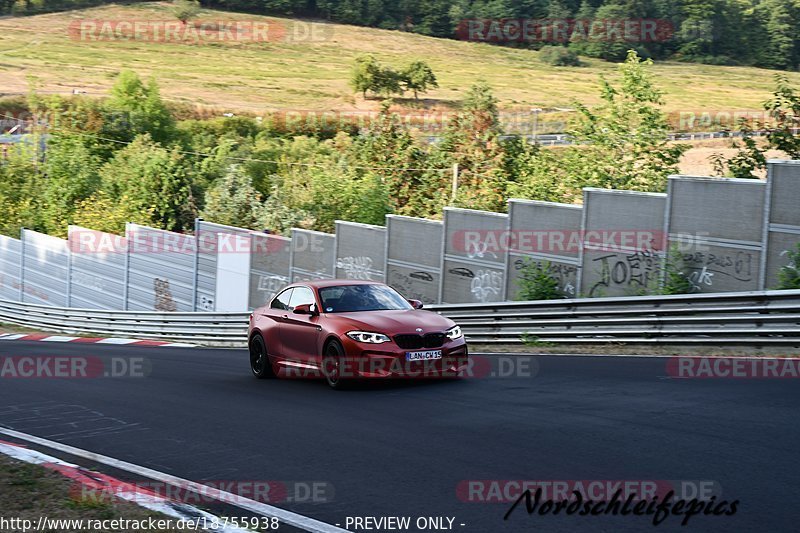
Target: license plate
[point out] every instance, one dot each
(424, 356)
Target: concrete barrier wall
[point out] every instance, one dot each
(543, 233)
(723, 234)
(414, 257)
(99, 266)
(474, 266)
(782, 227)
(360, 251)
(269, 267)
(313, 255)
(716, 227)
(161, 267)
(45, 269)
(623, 242)
(10, 268)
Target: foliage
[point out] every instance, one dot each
(153, 180)
(369, 75)
(789, 274)
(233, 200)
(784, 113)
(71, 174)
(559, 56)
(418, 77)
(135, 108)
(625, 137)
(185, 10)
(536, 282)
(676, 279)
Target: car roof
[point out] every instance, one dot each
(320, 283)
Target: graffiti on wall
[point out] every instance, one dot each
(634, 272)
(417, 285)
(355, 267)
(164, 300)
(706, 267)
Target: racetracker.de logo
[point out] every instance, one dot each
(565, 30)
(198, 31)
(733, 368)
(73, 367)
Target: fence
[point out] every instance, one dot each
(724, 235)
(753, 319)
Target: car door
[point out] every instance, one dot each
(299, 333)
(270, 322)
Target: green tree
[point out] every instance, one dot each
(233, 200)
(471, 141)
(418, 77)
(152, 179)
(622, 143)
(185, 10)
(20, 191)
(365, 74)
(71, 174)
(135, 108)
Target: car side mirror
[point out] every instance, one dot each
(416, 304)
(306, 309)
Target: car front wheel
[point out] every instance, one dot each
(259, 361)
(333, 366)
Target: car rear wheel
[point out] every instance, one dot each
(333, 366)
(259, 361)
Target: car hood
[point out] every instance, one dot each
(394, 322)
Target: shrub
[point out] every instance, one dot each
(559, 56)
(536, 282)
(789, 275)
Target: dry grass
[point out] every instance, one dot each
(30, 491)
(261, 76)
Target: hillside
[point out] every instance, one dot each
(258, 76)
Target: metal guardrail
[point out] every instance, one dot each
(213, 329)
(742, 318)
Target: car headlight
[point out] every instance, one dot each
(368, 337)
(454, 333)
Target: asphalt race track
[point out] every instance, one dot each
(404, 449)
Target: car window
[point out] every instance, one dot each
(282, 300)
(349, 298)
(300, 296)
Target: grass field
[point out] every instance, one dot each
(262, 76)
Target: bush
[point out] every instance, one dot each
(537, 283)
(789, 275)
(559, 56)
(676, 280)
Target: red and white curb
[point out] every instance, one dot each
(102, 484)
(290, 518)
(45, 337)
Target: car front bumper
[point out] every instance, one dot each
(387, 360)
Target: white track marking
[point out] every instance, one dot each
(115, 340)
(293, 519)
(58, 338)
(13, 336)
(178, 345)
(154, 502)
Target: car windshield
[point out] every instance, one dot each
(350, 298)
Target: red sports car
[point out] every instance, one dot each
(348, 330)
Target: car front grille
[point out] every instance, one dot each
(414, 342)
